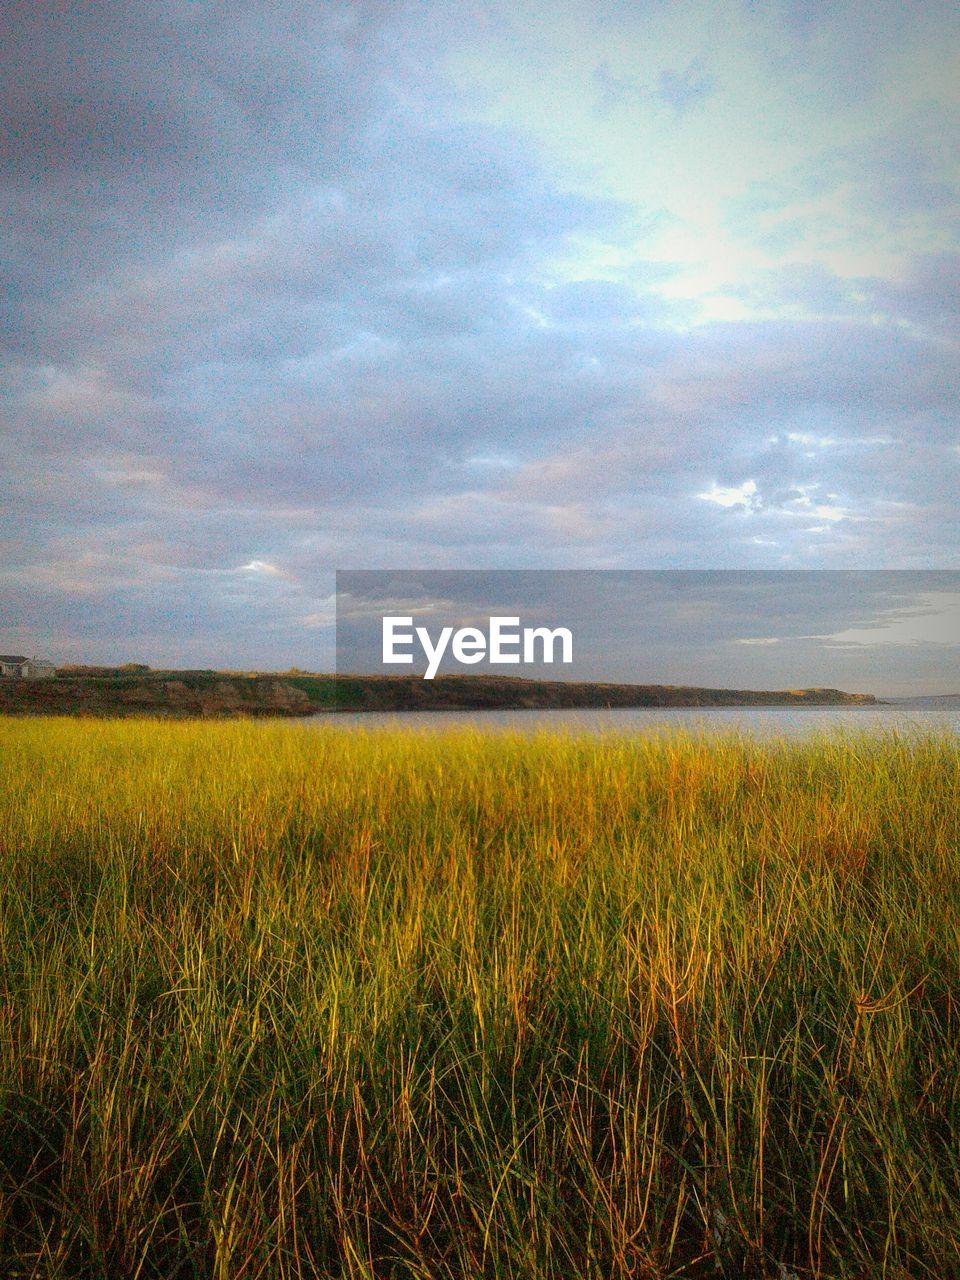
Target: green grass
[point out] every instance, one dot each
(298, 1002)
(326, 692)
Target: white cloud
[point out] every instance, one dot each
(742, 495)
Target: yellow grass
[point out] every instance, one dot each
(280, 1001)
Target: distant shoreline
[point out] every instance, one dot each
(133, 691)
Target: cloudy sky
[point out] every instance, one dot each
(292, 287)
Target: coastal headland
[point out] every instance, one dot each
(136, 690)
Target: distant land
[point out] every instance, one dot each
(134, 690)
(928, 699)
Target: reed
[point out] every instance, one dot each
(278, 1001)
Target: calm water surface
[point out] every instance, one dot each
(906, 715)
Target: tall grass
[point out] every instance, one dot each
(286, 1002)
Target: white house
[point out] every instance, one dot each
(17, 667)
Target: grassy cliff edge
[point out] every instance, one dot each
(122, 692)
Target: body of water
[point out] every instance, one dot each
(907, 715)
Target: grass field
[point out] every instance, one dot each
(286, 1002)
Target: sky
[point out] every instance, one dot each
(294, 287)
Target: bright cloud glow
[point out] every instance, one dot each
(738, 496)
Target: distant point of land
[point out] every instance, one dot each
(135, 689)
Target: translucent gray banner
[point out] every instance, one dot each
(887, 633)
